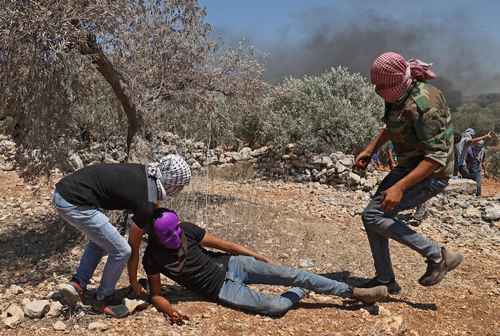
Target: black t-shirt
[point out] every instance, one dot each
(110, 187)
(192, 266)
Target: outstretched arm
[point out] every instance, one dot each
(484, 137)
(134, 240)
(161, 303)
(209, 240)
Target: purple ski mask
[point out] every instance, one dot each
(168, 230)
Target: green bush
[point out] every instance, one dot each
(335, 111)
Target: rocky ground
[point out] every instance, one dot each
(309, 225)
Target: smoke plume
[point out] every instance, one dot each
(465, 62)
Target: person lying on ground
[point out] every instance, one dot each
(417, 122)
(177, 250)
(79, 198)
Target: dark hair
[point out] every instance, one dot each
(158, 212)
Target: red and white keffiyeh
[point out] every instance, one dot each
(392, 75)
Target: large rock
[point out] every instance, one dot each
(340, 168)
(14, 315)
(347, 161)
(259, 151)
(492, 213)
(133, 305)
(234, 156)
(354, 179)
(55, 309)
(59, 326)
(461, 186)
(245, 153)
(37, 309)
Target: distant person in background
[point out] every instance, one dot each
(392, 156)
(456, 142)
(463, 146)
(417, 122)
(377, 164)
(474, 160)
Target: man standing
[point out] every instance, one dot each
(417, 122)
(474, 162)
(463, 147)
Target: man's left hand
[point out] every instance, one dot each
(392, 197)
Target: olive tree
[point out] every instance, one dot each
(124, 68)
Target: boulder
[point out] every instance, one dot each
(14, 315)
(234, 156)
(492, 214)
(260, 151)
(37, 308)
(340, 168)
(59, 326)
(133, 305)
(55, 309)
(347, 162)
(245, 153)
(354, 179)
(461, 186)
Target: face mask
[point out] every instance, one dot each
(168, 230)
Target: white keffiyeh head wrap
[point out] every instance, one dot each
(171, 174)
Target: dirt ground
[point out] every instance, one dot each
(289, 222)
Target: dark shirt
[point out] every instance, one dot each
(474, 158)
(192, 266)
(110, 187)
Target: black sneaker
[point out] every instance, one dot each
(436, 271)
(392, 286)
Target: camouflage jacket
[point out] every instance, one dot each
(420, 127)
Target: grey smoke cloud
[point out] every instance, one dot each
(463, 60)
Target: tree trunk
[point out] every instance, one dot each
(89, 46)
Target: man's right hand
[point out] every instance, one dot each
(175, 317)
(363, 159)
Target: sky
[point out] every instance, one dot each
(461, 38)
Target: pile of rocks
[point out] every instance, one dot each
(15, 313)
(296, 164)
(19, 310)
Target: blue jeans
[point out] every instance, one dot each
(380, 225)
(243, 271)
(474, 174)
(104, 240)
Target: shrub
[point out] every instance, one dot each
(335, 111)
